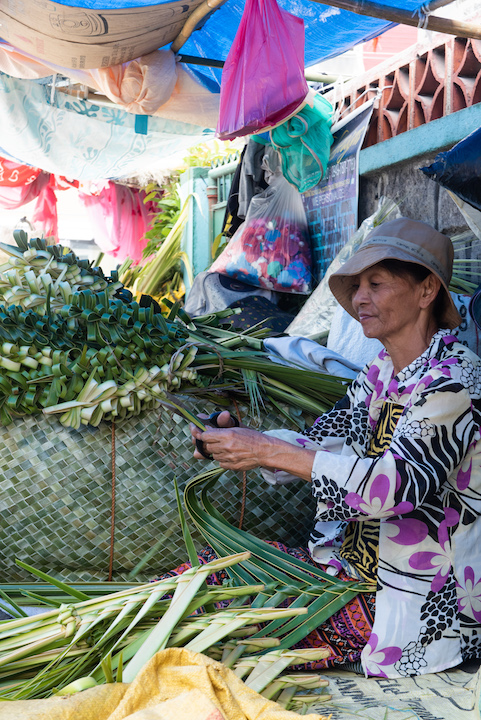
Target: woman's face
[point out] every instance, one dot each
(388, 306)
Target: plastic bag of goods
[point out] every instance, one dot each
(271, 248)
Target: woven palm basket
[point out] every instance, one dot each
(78, 506)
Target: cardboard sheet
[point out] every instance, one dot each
(84, 38)
(449, 695)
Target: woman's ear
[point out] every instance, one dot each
(431, 286)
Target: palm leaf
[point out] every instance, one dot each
(321, 593)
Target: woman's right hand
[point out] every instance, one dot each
(224, 420)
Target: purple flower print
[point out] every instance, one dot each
(396, 395)
(375, 506)
(406, 531)
(372, 374)
(448, 339)
(425, 382)
(464, 476)
(469, 594)
(303, 441)
(438, 560)
(373, 657)
(372, 378)
(443, 365)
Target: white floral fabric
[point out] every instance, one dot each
(82, 140)
(426, 492)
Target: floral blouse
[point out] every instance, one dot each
(426, 491)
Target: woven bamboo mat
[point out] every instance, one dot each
(56, 497)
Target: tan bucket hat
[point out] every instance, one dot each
(401, 239)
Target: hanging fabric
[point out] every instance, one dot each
(13, 174)
(14, 197)
(119, 213)
(154, 84)
(120, 219)
(79, 139)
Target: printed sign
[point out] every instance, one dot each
(331, 206)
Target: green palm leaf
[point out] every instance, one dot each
(321, 593)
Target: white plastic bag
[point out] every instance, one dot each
(271, 248)
(315, 316)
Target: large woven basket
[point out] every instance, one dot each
(57, 493)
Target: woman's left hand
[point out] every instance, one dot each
(235, 448)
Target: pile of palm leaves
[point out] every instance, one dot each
(160, 274)
(89, 636)
(73, 346)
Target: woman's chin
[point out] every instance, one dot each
(368, 329)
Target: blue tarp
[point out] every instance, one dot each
(329, 30)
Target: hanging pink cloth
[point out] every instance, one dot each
(12, 174)
(119, 214)
(45, 214)
(21, 184)
(15, 196)
(120, 220)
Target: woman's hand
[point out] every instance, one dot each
(240, 448)
(224, 420)
(234, 448)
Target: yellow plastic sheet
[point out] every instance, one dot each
(175, 684)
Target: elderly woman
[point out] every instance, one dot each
(395, 466)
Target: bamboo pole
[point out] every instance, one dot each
(436, 4)
(406, 17)
(192, 21)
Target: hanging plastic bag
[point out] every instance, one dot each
(263, 79)
(304, 143)
(459, 169)
(271, 248)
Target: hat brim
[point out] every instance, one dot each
(367, 257)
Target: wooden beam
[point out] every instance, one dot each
(407, 17)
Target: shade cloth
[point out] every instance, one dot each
(84, 140)
(329, 31)
(154, 84)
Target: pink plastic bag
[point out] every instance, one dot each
(263, 79)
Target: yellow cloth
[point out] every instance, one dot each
(176, 684)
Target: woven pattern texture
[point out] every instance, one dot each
(56, 497)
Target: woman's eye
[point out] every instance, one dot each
(375, 284)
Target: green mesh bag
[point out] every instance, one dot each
(56, 497)
(304, 142)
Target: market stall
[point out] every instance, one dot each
(97, 387)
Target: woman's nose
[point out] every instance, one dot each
(359, 296)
